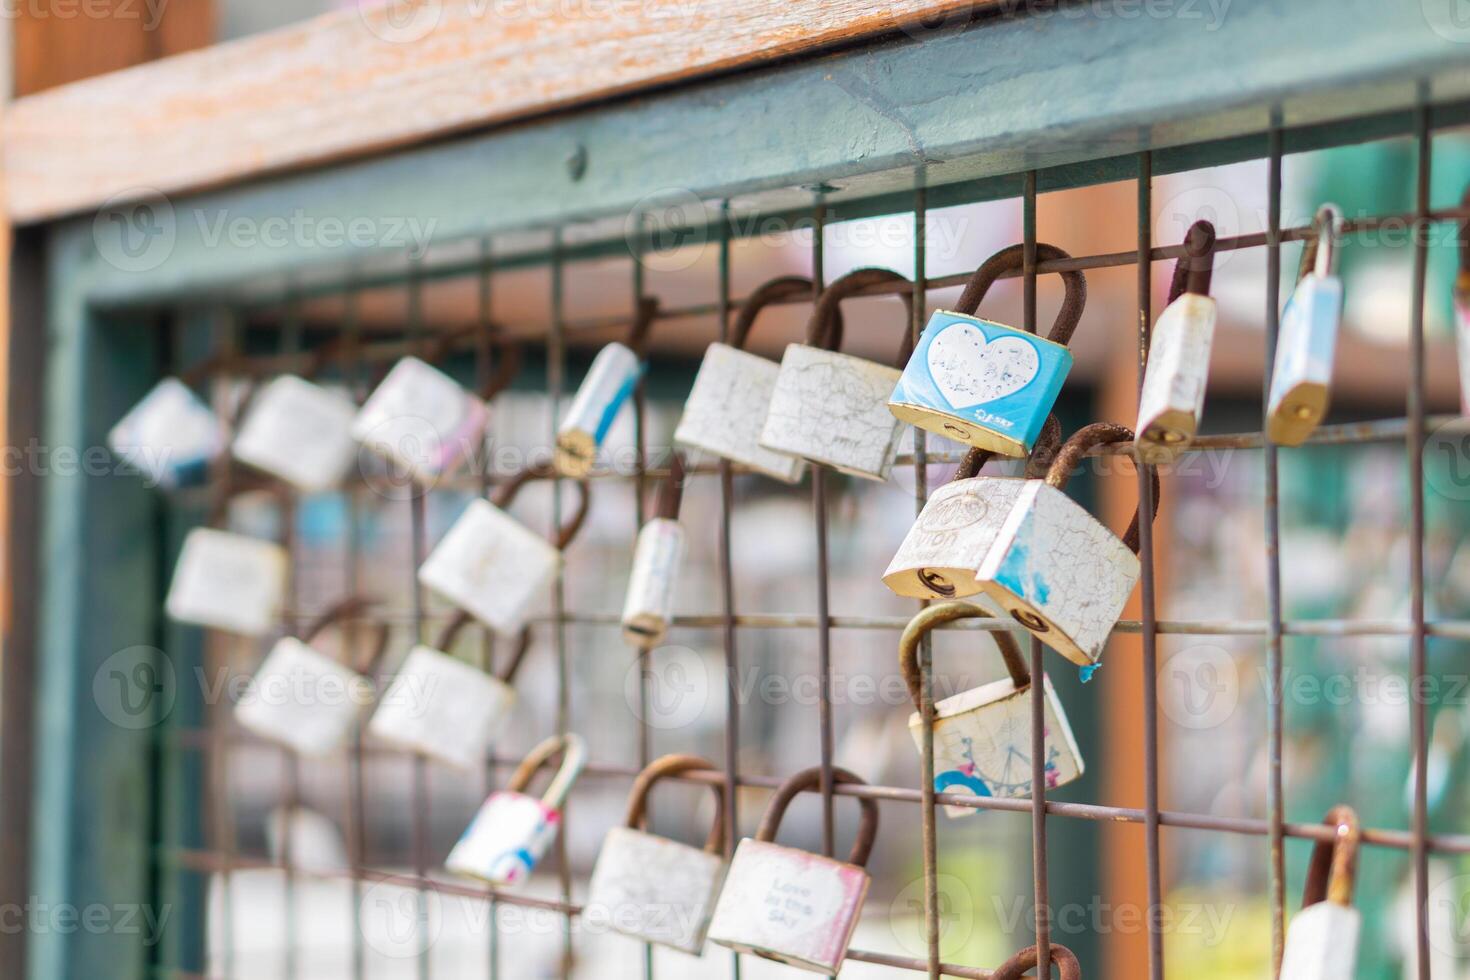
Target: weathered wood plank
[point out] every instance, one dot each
(361, 80)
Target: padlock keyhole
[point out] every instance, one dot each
(936, 583)
(1030, 620)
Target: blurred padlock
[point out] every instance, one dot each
(304, 699)
(1178, 368)
(298, 432)
(513, 830)
(652, 888)
(789, 905)
(945, 547)
(1462, 311)
(420, 420)
(1322, 939)
(228, 582)
(981, 382)
(1029, 958)
(832, 408)
(610, 382)
(1301, 380)
(982, 737)
(731, 396)
(169, 437)
(494, 567)
(649, 605)
(446, 709)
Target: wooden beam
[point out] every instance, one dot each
(65, 41)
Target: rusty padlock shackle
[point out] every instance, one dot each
(671, 489)
(1061, 957)
(783, 289)
(573, 761)
(348, 608)
(674, 765)
(1046, 447)
(1072, 451)
(507, 366)
(1194, 269)
(463, 619)
(508, 492)
(1013, 259)
(825, 328)
(1328, 227)
(1333, 871)
(948, 612)
(811, 778)
(643, 316)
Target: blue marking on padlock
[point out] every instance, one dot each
(610, 413)
(1308, 334)
(993, 376)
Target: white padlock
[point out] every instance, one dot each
(789, 905)
(1462, 312)
(610, 382)
(304, 699)
(652, 888)
(982, 737)
(1178, 369)
(494, 567)
(513, 830)
(421, 421)
(229, 582)
(1322, 939)
(731, 397)
(649, 605)
(442, 707)
(169, 437)
(299, 432)
(1306, 347)
(832, 408)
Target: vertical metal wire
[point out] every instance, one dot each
(291, 344)
(1418, 722)
(1038, 701)
(1275, 790)
(824, 611)
(556, 379)
(1146, 504)
(418, 504)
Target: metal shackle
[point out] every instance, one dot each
(463, 619)
(811, 778)
(1320, 254)
(1333, 871)
(671, 490)
(1046, 447)
(1071, 453)
(1011, 260)
(674, 765)
(346, 609)
(825, 328)
(784, 289)
(574, 757)
(1015, 968)
(948, 612)
(568, 532)
(1193, 269)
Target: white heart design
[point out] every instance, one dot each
(970, 371)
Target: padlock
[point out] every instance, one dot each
(655, 889)
(169, 437)
(983, 383)
(494, 567)
(228, 582)
(832, 408)
(1462, 311)
(304, 699)
(727, 406)
(1173, 395)
(1306, 347)
(513, 830)
(1322, 939)
(1027, 959)
(299, 432)
(446, 709)
(610, 382)
(943, 551)
(649, 605)
(420, 420)
(789, 905)
(982, 737)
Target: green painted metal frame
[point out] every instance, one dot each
(961, 111)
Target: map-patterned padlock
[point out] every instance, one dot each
(494, 567)
(648, 606)
(832, 408)
(421, 421)
(655, 889)
(513, 830)
(942, 553)
(789, 905)
(982, 737)
(1029, 958)
(169, 437)
(444, 708)
(1178, 369)
(306, 700)
(1306, 347)
(298, 432)
(610, 382)
(984, 383)
(1322, 939)
(727, 406)
(229, 582)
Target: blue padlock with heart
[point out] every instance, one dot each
(983, 383)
